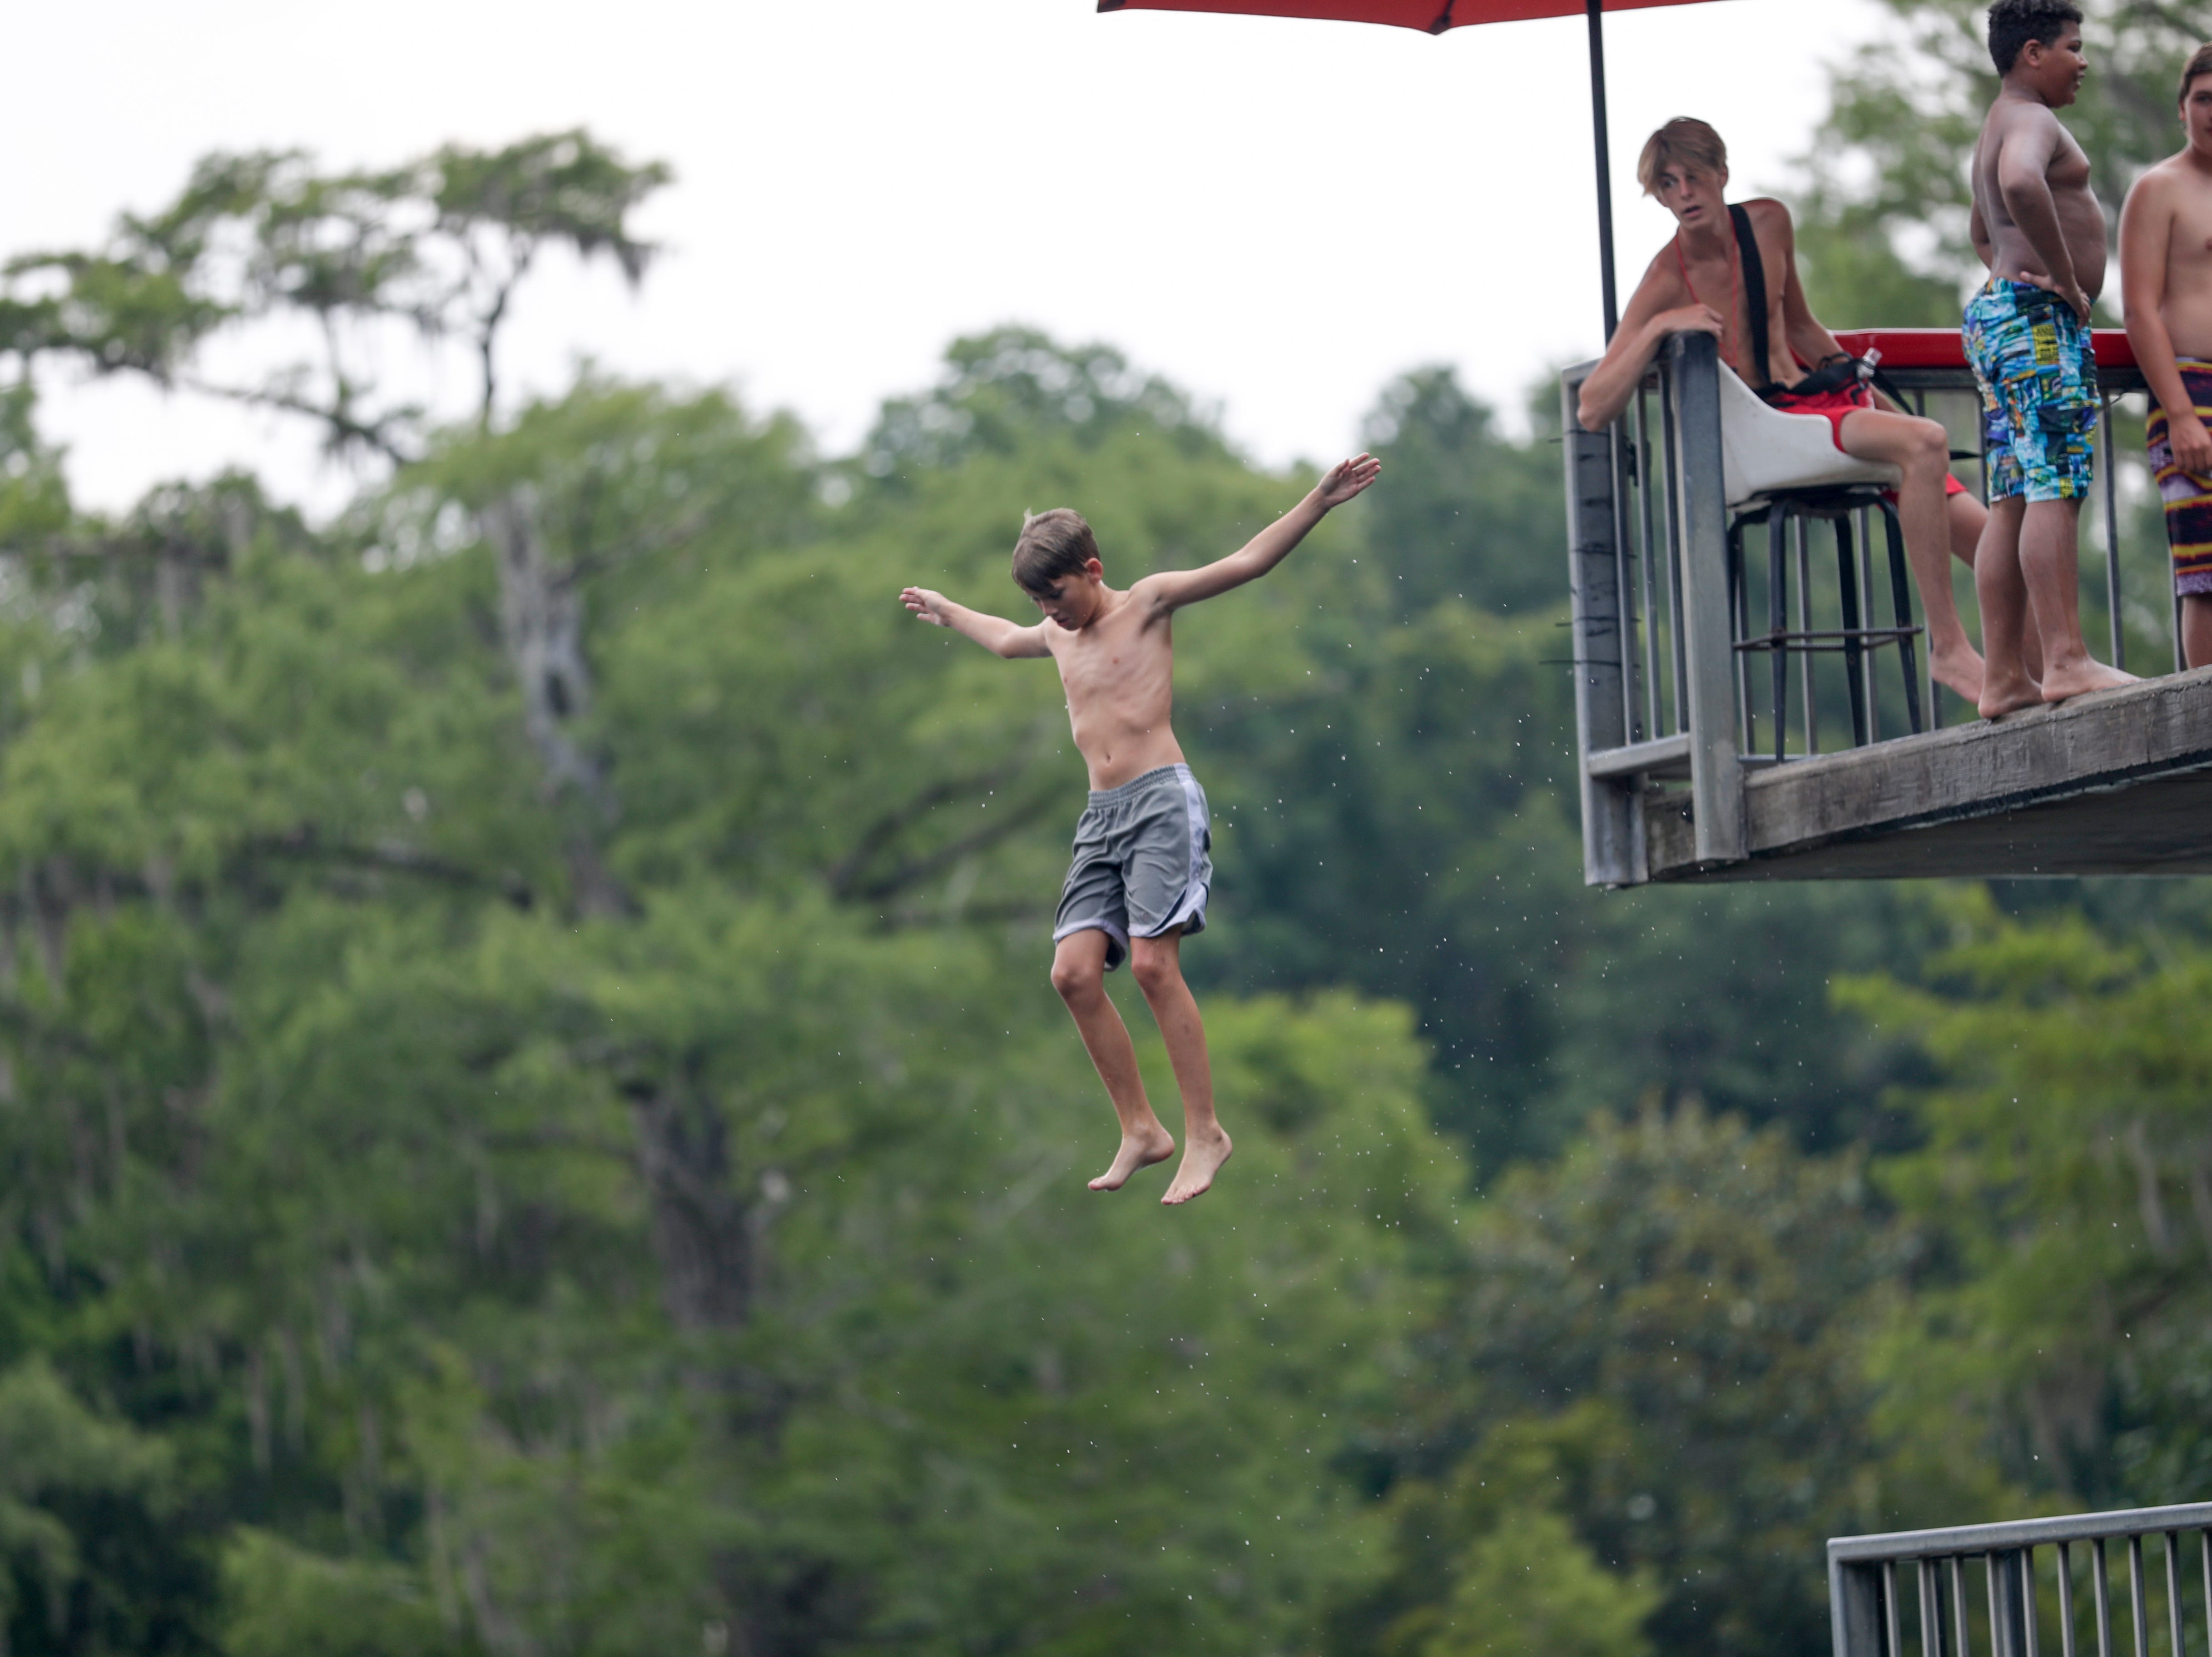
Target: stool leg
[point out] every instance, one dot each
(1777, 632)
(1847, 584)
(1806, 654)
(1901, 593)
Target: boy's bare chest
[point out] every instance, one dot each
(2189, 246)
(2069, 166)
(2067, 171)
(1112, 654)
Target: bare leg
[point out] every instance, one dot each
(2197, 629)
(2006, 685)
(1968, 517)
(1079, 972)
(1921, 451)
(2047, 567)
(1158, 963)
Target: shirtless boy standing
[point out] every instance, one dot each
(2042, 234)
(2166, 279)
(1141, 874)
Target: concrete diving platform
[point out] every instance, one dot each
(2119, 782)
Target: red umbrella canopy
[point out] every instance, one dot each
(1430, 16)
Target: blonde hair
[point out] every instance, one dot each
(1685, 141)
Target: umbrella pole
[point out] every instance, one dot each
(1604, 168)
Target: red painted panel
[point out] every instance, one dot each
(1943, 347)
(1433, 17)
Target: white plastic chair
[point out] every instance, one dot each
(1783, 470)
(1765, 451)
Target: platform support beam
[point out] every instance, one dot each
(1715, 773)
(1614, 849)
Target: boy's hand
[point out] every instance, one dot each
(2191, 445)
(1347, 479)
(930, 606)
(2076, 300)
(1699, 318)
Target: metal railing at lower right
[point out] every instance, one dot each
(1983, 1589)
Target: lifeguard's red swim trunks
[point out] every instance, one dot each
(1838, 405)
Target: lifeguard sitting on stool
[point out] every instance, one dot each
(1703, 281)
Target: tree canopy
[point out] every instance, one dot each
(535, 1123)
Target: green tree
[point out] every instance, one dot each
(1659, 1336)
(2066, 1185)
(1469, 514)
(1883, 218)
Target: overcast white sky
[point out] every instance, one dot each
(1279, 215)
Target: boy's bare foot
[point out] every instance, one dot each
(2081, 677)
(1960, 668)
(1138, 1151)
(2001, 697)
(1201, 1159)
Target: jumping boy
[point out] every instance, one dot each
(2038, 229)
(1141, 873)
(2166, 275)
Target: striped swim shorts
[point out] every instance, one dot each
(2188, 500)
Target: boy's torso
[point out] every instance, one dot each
(2184, 198)
(2080, 220)
(1714, 280)
(1119, 675)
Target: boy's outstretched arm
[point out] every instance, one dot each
(1178, 587)
(996, 634)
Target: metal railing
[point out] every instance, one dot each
(1662, 691)
(2020, 1607)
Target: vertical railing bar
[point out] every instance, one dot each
(1959, 1603)
(1805, 625)
(2101, 1580)
(2137, 1608)
(1624, 584)
(2065, 1601)
(1742, 620)
(1892, 1619)
(1931, 692)
(2112, 542)
(2031, 1626)
(2204, 1547)
(2173, 1592)
(1644, 484)
(1931, 1612)
(1934, 700)
(1673, 552)
(1997, 1613)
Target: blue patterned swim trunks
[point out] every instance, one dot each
(2040, 404)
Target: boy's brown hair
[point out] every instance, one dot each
(2200, 63)
(1683, 142)
(1052, 545)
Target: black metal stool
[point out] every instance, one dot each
(1782, 511)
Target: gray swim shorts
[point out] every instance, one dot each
(1141, 866)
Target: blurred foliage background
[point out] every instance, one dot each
(534, 1123)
